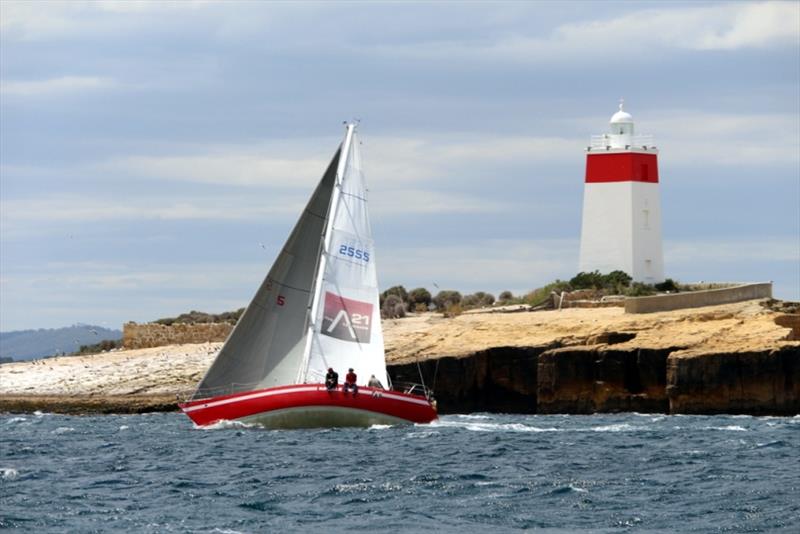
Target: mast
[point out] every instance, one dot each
(325, 248)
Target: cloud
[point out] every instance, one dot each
(234, 168)
(64, 84)
(43, 19)
(20, 215)
(716, 27)
(640, 34)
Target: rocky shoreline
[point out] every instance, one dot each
(740, 359)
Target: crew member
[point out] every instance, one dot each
(331, 379)
(374, 382)
(350, 382)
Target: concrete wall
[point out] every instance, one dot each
(140, 336)
(696, 299)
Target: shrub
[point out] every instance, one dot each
(667, 285)
(446, 298)
(616, 281)
(477, 300)
(419, 296)
(399, 291)
(584, 280)
(539, 296)
(393, 307)
(639, 289)
(505, 297)
(105, 345)
(197, 317)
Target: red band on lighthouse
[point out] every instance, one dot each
(621, 167)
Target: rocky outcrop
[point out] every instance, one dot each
(792, 321)
(747, 382)
(587, 379)
(500, 379)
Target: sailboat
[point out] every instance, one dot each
(317, 309)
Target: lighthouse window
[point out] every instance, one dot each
(645, 172)
(646, 219)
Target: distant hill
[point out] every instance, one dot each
(31, 344)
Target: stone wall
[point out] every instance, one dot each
(141, 336)
(696, 299)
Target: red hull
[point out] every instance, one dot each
(312, 405)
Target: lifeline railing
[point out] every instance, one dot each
(409, 388)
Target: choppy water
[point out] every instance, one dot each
(475, 473)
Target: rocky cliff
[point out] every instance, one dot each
(737, 358)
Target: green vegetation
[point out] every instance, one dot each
(196, 317)
(446, 299)
(419, 299)
(103, 346)
(393, 307)
(396, 301)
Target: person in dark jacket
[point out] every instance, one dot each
(350, 382)
(331, 379)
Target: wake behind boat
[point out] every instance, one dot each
(317, 309)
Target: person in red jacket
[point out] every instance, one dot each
(350, 381)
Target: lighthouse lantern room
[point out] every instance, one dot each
(621, 227)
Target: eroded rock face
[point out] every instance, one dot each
(500, 379)
(748, 382)
(588, 379)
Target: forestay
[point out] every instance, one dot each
(267, 346)
(346, 329)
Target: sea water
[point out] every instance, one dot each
(463, 473)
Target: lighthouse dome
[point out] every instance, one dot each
(622, 125)
(621, 116)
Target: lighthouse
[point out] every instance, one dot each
(621, 227)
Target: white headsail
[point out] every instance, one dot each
(345, 330)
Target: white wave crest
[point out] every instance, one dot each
(734, 428)
(379, 427)
(124, 427)
(63, 430)
(16, 420)
(226, 424)
(494, 427)
(424, 434)
(621, 427)
(8, 473)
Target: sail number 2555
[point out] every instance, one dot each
(352, 252)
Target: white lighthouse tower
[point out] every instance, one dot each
(621, 227)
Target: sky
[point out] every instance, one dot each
(155, 155)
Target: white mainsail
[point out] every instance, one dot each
(318, 306)
(345, 329)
